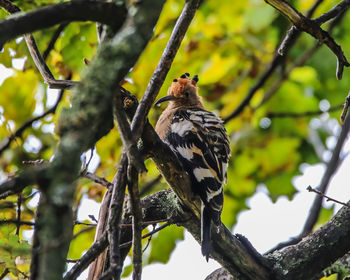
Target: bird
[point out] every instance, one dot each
(200, 141)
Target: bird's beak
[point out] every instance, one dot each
(165, 98)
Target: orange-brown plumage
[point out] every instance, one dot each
(199, 140)
(182, 94)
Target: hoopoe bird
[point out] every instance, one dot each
(199, 140)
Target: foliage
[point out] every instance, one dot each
(228, 46)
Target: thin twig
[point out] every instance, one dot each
(4, 273)
(19, 205)
(345, 108)
(146, 223)
(288, 41)
(148, 241)
(23, 127)
(332, 165)
(43, 68)
(92, 217)
(303, 114)
(15, 221)
(311, 27)
(85, 224)
(310, 189)
(35, 54)
(53, 40)
(299, 62)
(72, 261)
(87, 229)
(126, 244)
(333, 13)
(97, 179)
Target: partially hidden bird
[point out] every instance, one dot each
(200, 141)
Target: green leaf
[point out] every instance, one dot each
(164, 243)
(82, 242)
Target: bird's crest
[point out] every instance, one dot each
(183, 92)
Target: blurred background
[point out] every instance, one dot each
(280, 142)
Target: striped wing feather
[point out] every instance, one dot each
(199, 139)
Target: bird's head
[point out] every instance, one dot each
(183, 92)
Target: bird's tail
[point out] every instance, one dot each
(205, 231)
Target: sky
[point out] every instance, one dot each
(265, 223)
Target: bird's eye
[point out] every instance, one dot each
(186, 94)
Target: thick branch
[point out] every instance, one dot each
(78, 10)
(134, 198)
(114, 218)
(126, 135)
(315, 252)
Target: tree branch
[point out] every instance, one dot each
(314, 211)
(299, 62)
(126, 135)
(115, 214)
(288, 41)
(313, 28)
(310, 189)
(53, 40)
(303, 114)
(77, 10)
(136, 209)
(36, 56)
(315, 252)
(163, 66)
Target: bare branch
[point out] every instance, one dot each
(163, 66)
(303, 114)
(313, 28)
(126, 135)
(334, 12)
(43, 68)
(115, 212)
(314, 211)
(96, 249)
(99, 180)
(345, 108)
(35, 53)
(310, 189)
(332, 165)
(315, 252)
(136, 209)
(11, 221)
(148, 234)
(299, 62)
(290, 38)
(53, 40)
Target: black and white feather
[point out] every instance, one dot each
(199, 139)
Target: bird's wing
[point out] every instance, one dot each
(200, 140)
